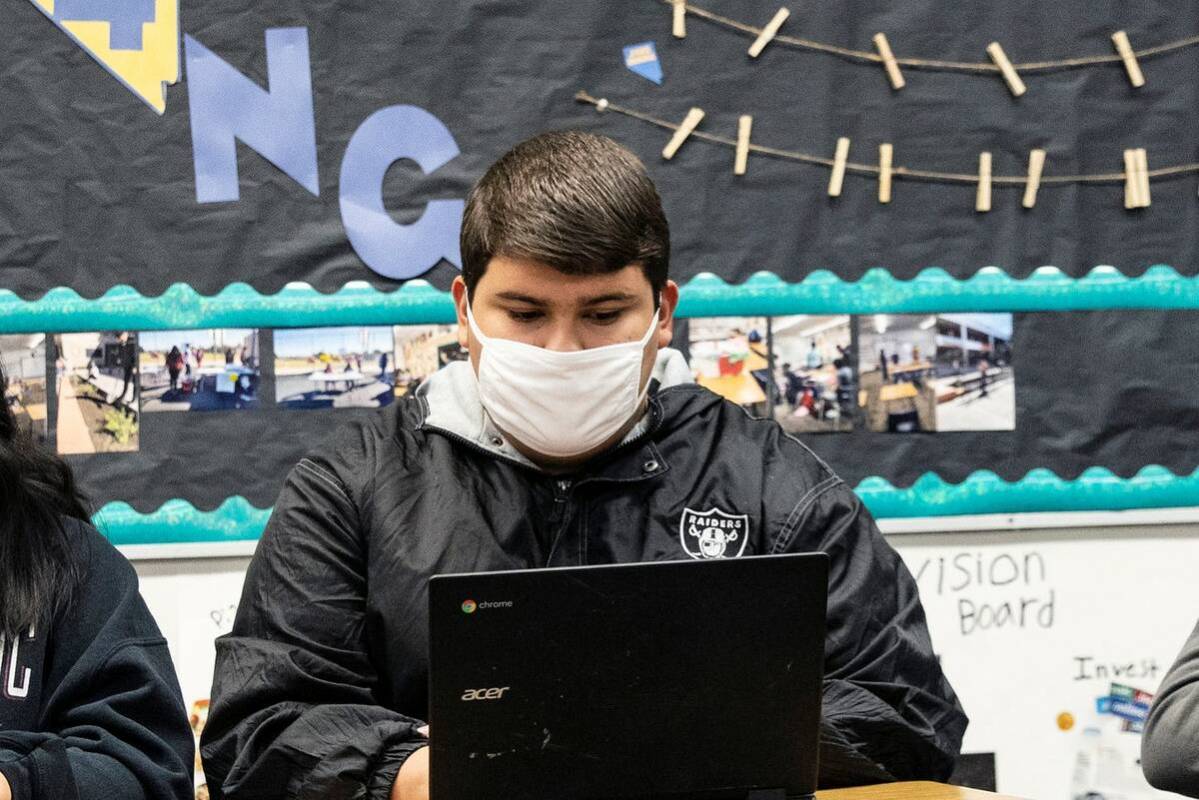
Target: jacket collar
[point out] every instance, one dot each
(450, 399)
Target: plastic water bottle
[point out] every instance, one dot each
(1083, 785)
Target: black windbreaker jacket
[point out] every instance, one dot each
(323, 682)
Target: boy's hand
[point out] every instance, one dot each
(412, 782)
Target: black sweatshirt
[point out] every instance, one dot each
(90, 707)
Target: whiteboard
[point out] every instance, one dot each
(193, 602)
(1034, 625)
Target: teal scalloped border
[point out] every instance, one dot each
(1097, 489)
(179, 522)
(984, 492)
(238, 305)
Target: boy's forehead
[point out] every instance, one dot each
(515, 278)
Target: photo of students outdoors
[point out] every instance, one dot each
(23, 363)
(946, 372)
(200, 370)
(814, 373)
(421, 350)
(334, 367)
(728, 356)
(96, 381)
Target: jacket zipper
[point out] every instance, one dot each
(562, 488)
(561, 515)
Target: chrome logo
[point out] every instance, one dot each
(469, 606)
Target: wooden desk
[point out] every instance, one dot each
(913, 790)
(912, 366)
(741, 388)
(898, 391)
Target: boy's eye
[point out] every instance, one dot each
(523, 316)
(603, 317)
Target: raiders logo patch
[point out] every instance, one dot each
(713, 533)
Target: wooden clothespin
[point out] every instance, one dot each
(680, 18)
(1136, 179)
(1130, 179)
(1124, 48)
(889, 62)
(684, 130)
(982, 202)
(744, 126)
(1143, 177)
(1036, 164)
(1010, 75)
(769, 32)
(885, 154)
(837, 179)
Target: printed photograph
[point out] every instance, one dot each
(976, 387)
(421, 350)
(728, 356)
(96, 382)
(814, 373)
(334, 367)
(937, 373)
(23, 362)
(200, 370)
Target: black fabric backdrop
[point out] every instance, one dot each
(96, 190)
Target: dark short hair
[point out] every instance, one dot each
(577, 202)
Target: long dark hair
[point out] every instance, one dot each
(37, 490)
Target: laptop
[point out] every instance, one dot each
(681, 680)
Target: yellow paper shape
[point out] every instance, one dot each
(145, 72)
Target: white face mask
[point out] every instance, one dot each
(560, 404)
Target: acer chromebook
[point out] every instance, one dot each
(681, 679)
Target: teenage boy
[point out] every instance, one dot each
(572, 436)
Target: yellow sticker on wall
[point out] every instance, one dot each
(137, 41)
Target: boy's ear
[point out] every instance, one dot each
(668, 302)
(459, 293)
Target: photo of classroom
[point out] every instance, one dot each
(421, 350)
(96, 382)
(814, 373)
(334, 367)
(199, 370)
(937, 373)
(23, 363)
(978, 390)
(729, 357)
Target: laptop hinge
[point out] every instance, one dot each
(767, 794)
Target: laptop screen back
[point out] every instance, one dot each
(668, 679)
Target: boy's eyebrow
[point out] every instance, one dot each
(517, 297)
(610, 297)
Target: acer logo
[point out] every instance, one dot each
(485, 694)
